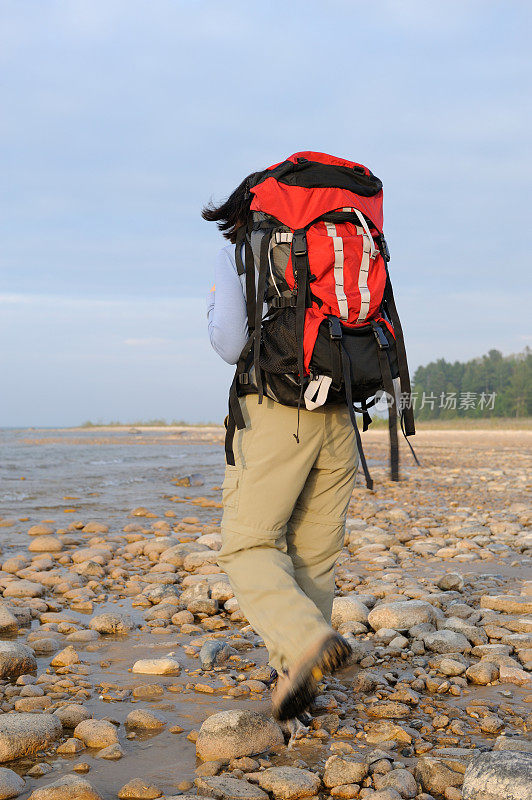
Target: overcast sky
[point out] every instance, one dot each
(120, 118)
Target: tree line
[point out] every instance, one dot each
(492, 385)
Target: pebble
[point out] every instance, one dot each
(231, 734)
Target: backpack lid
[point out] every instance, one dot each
(308, 184)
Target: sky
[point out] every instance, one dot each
(121, 118)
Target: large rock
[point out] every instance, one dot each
(16, 659)
(435, 776)
(399, 779)
(348, 609)
(231, 734)
(96, 733)
(45, 544)
(402, 615)
(157, 666)
(112, 623)
(72, 714)
(145, 720)
(139, 789)
(11, 784)
(503, 774)
(24, 589)
(8, 622)
(340, 770)
(23, 734)
(445, 641)
(70, 787)
(507, 604)
(222, 787)
(289, 783)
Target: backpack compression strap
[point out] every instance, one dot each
(301, 274)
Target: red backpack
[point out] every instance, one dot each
(322, 321)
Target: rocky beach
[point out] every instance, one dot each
(128, 671)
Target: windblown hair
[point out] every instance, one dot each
(233, 213)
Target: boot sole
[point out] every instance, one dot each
(335, 651)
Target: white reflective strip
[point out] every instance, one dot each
(365, 296)
(366, 229)
(317, 391)
(338, 245)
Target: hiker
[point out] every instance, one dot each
(301, 305)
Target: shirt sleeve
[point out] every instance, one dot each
(226, 309)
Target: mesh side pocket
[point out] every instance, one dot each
(278, 352)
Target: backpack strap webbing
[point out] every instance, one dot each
(300, 269)
(387, 382)
(346, 365)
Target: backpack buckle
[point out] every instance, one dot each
(382, 341)
(335, 329)
(384, 247)
(299, 243)
(243, 378)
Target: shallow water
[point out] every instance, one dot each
(101, 475)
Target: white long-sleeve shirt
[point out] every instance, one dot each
(226, 307)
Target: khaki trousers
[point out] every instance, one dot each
(285, 506)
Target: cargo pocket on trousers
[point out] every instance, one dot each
(231, 487)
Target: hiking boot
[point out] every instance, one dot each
(296, 689)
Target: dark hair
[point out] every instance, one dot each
(233, 213)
